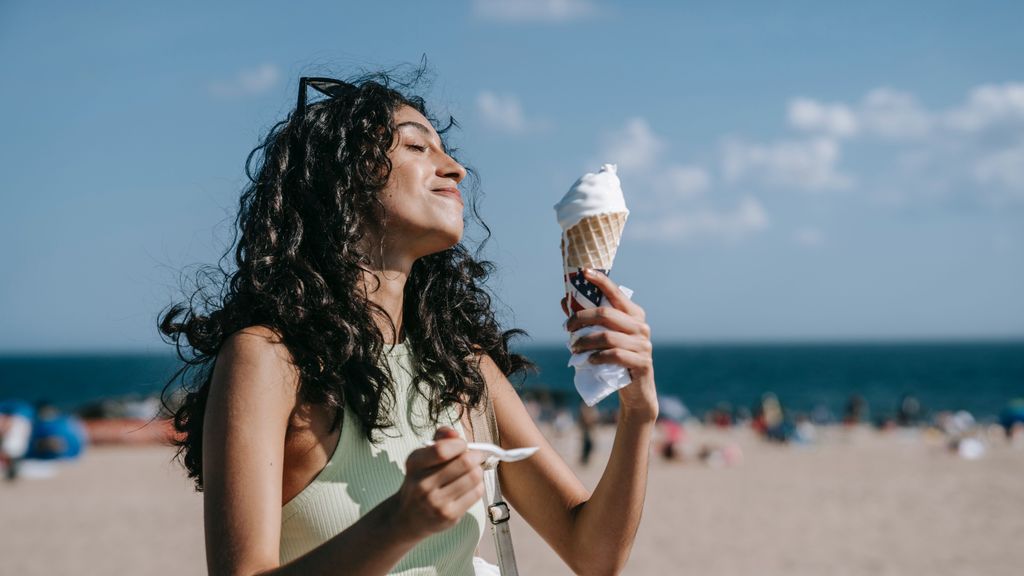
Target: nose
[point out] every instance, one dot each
(451, 169)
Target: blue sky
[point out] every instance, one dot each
(795, 171)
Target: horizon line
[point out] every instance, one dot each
(688, 342)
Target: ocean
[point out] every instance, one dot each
(980, 377)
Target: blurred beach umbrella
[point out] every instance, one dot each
(673, 408)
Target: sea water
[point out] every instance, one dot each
(980, 377)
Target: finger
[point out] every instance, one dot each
(612, 292)
(423, 459)
(457, 507)
(445, 432)
(462, 483)
(625, 358)
(565, 305)
(609, 339)
(608, 317)
(447, 445)
(471, 496)
(452, 471)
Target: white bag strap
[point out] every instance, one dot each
(498, 511)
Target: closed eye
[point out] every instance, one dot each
(417, 147)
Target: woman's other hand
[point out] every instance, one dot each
(442, 482)
(626, 342)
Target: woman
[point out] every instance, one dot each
(356, 328)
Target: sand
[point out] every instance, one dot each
(857, 502)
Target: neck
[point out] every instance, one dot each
(383, 283)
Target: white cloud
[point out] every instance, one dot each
(501, 111)
(634, 147)
(683, 182)
(906, 153)
(974, 147)
(988, 105)
(884, 112)
(830, 119)
(893, 115)
(1003, 168)
(248, 82)
(533, 10)
(670, 201)
(802, 164)
(747, 218)
(809, 237)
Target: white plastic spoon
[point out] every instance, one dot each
(511, 455)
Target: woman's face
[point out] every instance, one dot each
(422, 202)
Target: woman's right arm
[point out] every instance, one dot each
(254, 389)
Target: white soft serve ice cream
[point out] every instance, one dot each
(592, 194)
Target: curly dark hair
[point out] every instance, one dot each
(312, 194)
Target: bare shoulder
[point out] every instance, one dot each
(260, 345)
(493, 376)
(257, 357)
(256, 339)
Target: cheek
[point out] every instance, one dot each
(402, 171)
(397, 197)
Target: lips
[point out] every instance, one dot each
(452, 192)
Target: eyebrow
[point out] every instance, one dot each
(423, 129)
(416, 125)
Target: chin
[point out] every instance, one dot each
(442, 240)
(451, 238)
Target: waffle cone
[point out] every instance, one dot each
(593, 241)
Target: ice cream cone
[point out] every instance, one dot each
(593, 241)
(592, 215)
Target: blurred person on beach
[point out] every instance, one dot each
(355, 328)
(743, 417)
(15, 434)
(55, 435)
(856, 410)
(588, 421)
(908, 413)
(770, 420)
(720, 415)
(804, 430)
(673, 435)
(671, 415)
(1012, 420)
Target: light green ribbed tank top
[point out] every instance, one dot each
(360, 475)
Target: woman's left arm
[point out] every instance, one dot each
(592, 532)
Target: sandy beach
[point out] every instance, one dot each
(856, 502)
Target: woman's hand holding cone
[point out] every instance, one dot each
(626, 342)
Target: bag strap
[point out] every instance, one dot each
(497, 510)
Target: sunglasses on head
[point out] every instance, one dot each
(326, 86)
